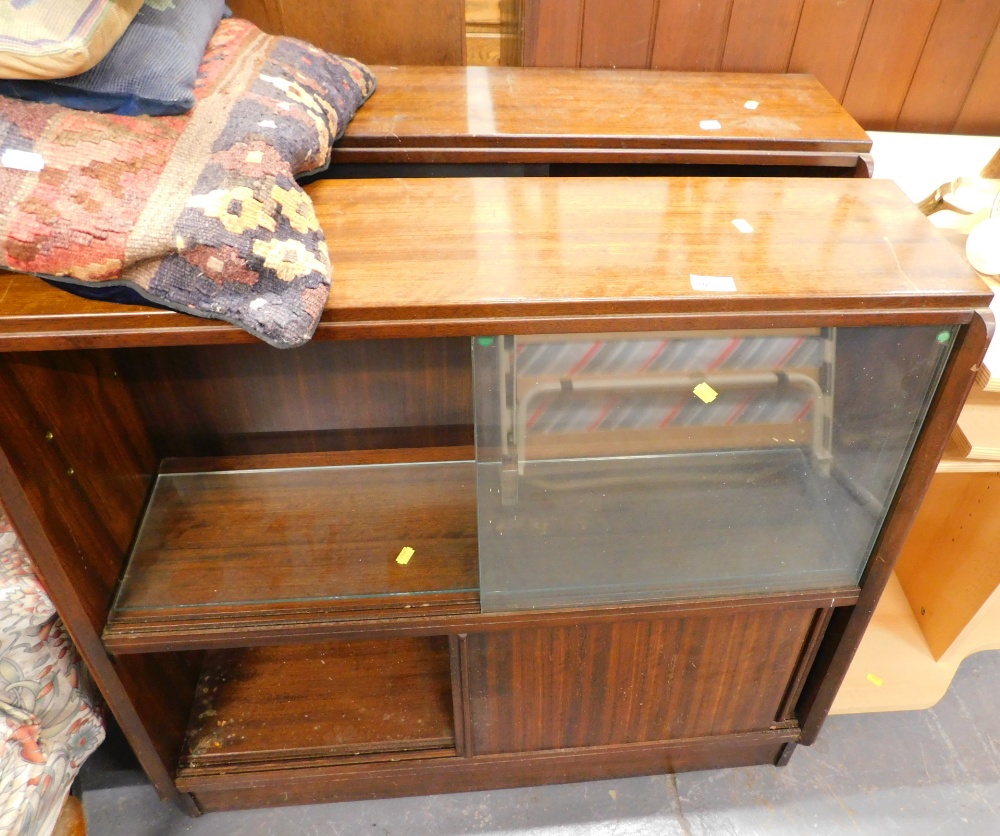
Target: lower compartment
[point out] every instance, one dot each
(427, 777)
(321, 703)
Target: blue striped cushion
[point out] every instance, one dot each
(151, 70)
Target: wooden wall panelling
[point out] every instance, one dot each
(948, 65)
(552, 32)
(632, 682)
(887, 61)
(690, 36)
(387, 32)
(980, 113)
(265, 13)
(761, 35)
(617, 37)
(827, 41)
(890, 49)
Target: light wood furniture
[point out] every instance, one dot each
(218, 521)
(493, 33)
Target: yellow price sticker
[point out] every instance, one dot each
(705, 392)
(404, 555)
(875, 680)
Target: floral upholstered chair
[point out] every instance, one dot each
(50, 720)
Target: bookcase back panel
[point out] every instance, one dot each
(327, 395)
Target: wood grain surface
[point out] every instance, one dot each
(579, 247)
(632, 682)
(827, 41)
(887, 58)
(386, 32)
(474, 256)
(209, 401)
(233, 790)
(746, 50)
(282, 543)
(917, 65)
(948, 567)
(690, 36)
(313, 703)
(613, 39)
(949, 63)
(510, 107)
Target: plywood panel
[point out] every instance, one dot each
(981, 114)
(978, 432)
(827, 41)
(387, 32)
(953, 52)
(617, 37)
(948, 567)
(552, 31)
(761, 33)
(606, 684)
(493, 32)
(690, 36)
(890, 49)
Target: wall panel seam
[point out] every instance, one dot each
(795, 35)
(857, 50)
(975, 76)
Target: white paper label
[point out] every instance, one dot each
(22, 160)
(713, 284)
(742, 225)
(750, 104)
(710, 124)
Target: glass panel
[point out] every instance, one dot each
(617, 467)
(314, 534)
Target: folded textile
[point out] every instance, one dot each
(50, 718)
(152, 68)
(57, 38)
(200, 212)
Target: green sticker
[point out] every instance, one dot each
(943, 336)
(484, 340)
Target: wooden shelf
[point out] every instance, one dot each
(320, 703)
(894, 668)
(279, 546)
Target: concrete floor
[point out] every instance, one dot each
(914, 773)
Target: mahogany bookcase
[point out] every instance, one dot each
(219, 522)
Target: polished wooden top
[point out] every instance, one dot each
(577, 247)
(492, 255)
(613, 110)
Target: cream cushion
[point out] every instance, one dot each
(59, 38)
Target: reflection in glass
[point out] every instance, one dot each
(647, 466)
